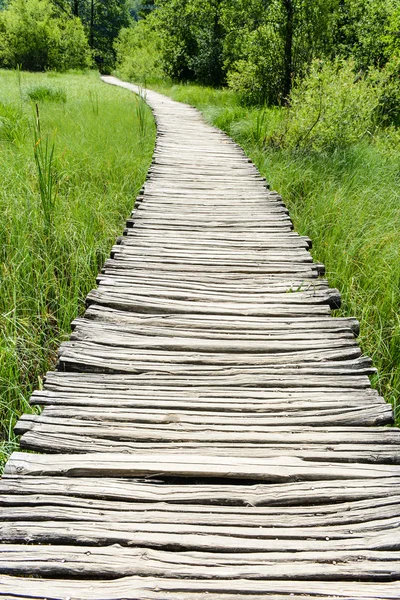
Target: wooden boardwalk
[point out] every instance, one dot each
(210, 432)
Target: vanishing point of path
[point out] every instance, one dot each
(210, 432)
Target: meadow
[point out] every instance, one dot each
(347, 201)
(73, 154)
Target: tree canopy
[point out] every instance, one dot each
(261, 47)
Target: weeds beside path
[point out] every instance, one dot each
(66, 186)
(348, 202)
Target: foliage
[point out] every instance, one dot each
(43, 151)
(192, 39)
(368, 30)
(98, 166)
(329, 109)
(46, 93)
(389, 102)
(269, 44)
(138, 53)
(37, 37)
(139, 9)
(262, 47)
(102, 22)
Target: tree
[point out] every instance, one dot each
(103, 21)
(368, 30)
(192, 39)
(36, 35)
(138, 53)
(277, 41)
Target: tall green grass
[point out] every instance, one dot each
(68, 180)
(348, 202)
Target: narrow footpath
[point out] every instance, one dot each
(210, 431)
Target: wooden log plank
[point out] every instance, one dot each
(114, 561)
(272, 353)
(130, 588)
(295, 494)
(242, 300)
(53, 508)
(239, 286)
(59, 440)
(341, 512)
(226, 323)
(88, 328)
(121, 337)
(342, 415)
(376, 535)
(278, 469)
(288, 269)
(327, 382)
(173, 424)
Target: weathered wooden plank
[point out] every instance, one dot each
(53, 508)
(375, 535)
(181, 351)
(174, 425)
(278, 469)
(147, 588)
(294, 494)
(288, 269)
(114, 561)
(121, 337)
(60, 439)
(333, 513)
(243, 301)
(240, 339)
(342, 415)
(226, 323)
(327, 382)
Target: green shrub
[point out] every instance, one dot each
(270, 43)
(258, 76)
(34, 36)
(389, 101)
(138, 53)
(331, 108)
(44, 93)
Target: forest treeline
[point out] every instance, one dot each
(259, 48)
(39, 35)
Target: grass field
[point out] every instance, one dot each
(348, 203)
(67, 183)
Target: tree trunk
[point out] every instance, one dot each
(91, 26)
(288, 55)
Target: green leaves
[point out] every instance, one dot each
(330, 109)
(36, 36)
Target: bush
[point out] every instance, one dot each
(138, 53)
(34, 36)
(44, 93)
(331, 108)
(270, 43)
(258, 78)
(389, 102)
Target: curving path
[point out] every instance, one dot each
(210, 431)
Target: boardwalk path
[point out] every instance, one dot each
(211, 431)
